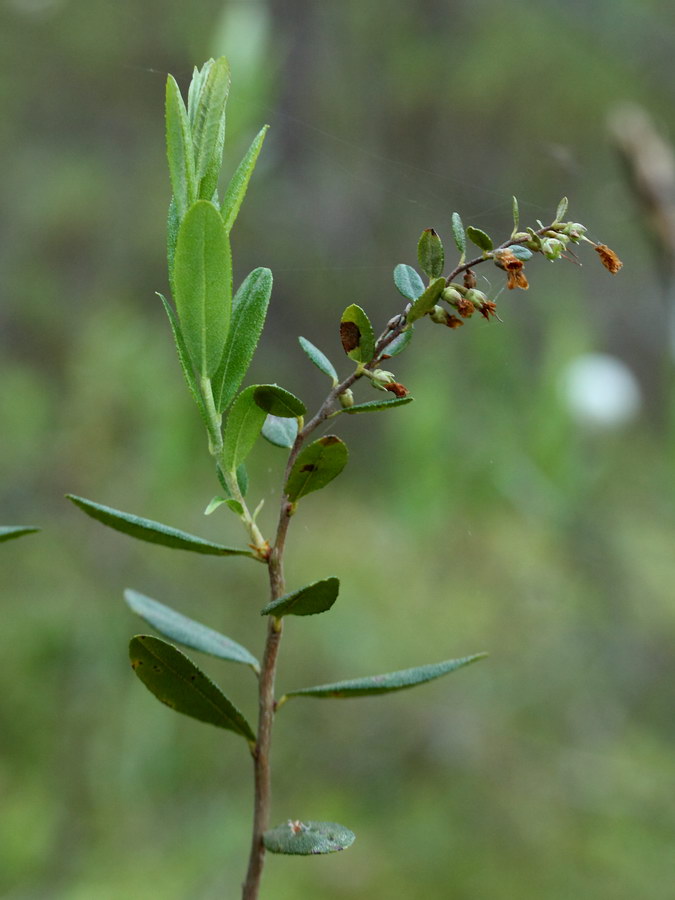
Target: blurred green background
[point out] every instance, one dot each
(492, 514)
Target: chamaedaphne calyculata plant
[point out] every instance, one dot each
(216, 332)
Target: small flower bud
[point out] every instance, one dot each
(438, 315)
(574, 230)
(476, 297)
(346, 399)
(451, 295)
(469, 279)
(552, 248)
(379, 379)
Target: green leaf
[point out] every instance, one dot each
(10, 532)
(249, 309)
(520, 252)
(195, 88)
(479, 238)
(385, 684)
(430, 254)
(242, 479)
(297, 838)
(242, 428)
(319, 359)
(179, 149)
(516, 215)
(214, 503)
(561, 211)
(202, 275)
(183, 357)
(376, 405)
(209, 125)
(316, 466)
(276, 401)
(280, 432)
(427, 301)
(153, 532)
(356, 334)
(186, 631)
(175, 680)
(408, 281)
(399, 343)
(236, 189)
(458, 233)
(307, 601)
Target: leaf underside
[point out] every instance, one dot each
(297, 838)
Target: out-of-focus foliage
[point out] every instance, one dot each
(544, 772)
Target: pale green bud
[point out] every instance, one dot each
(451, 295)
(552, 248)
(346, 399)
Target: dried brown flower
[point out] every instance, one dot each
(514, 270)
(608, 258)
(396, 388)
(453, 322)
(489, 308)
(465, 308)
(469, 279)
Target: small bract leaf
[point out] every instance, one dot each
(184, 357)
(516, 215)
(356, 334)
(179, 149)
(242, 428)
(316, 466)
(408, 282)
(307, 601)
(319, 359)
(297, 838)
(10, 532)
(458, 233)
(280, 432)
(152, 532)
(561, 211)
(186, 631)
(376, 405)
(249, 309)
(214, 503)
(479, 238)
(399, 343)
(278, 402)
(430, 253)
(175, 680)
(236, 189)
(202, 276)
(427, 301)
(521, 252)
(384, 684)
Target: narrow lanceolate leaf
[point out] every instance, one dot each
(458, 233)
(385, 684)
(297, 838)
(280, 432)
(10, 532)
(316, 466)
(478, 237)
(242, 428)
(249, 309)
(319, 359)
(202, 277)
(399, 343)
(516, 215)
(356, 334)
(175, 680)
(183, 357)
(430, 254)
(561, 211)
(427, 301)
(307, 601)
(208, 125)
(179, 149)
(376, 405)
(195, 88)
(236, 189)
(186, 631)
(152, 532)
(408, 282)
(277, 401)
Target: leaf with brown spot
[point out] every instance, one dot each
(316, 466)
(357, 335)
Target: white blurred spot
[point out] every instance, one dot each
(600, 390)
